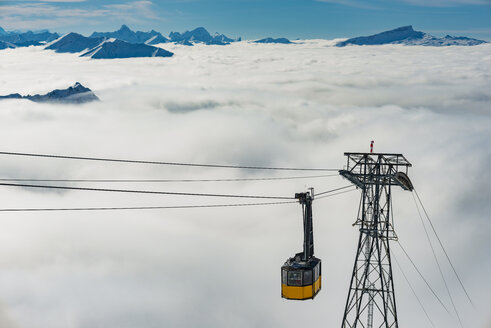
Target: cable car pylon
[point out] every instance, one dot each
(371, 298)
(301, 274)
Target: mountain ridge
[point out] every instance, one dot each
(76, 94)
(197, 35)
(406, 35)
(200, 35)
(104, 48)
(74, 42)
(115, 48)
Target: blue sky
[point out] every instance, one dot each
(253, 18)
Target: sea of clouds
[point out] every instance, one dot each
(300, 105)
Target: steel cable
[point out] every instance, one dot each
(170, 180)
(164, 163)
(438, 264)
(139, 191)
(443, 248)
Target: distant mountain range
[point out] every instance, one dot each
(125, 43)
(200, 35)
(76, 94)
(406, 35)
(18, 39)
(126, 34)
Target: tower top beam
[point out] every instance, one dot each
(364, 169)
(388, 158)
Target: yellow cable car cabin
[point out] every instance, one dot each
(300, 280)
(301, 274)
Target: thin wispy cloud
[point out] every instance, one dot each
(53, 15)
(352, 3)
(42, 9)
(421, 3)
(46, 1)
(447, 3)
(143, 9)
(60, 1)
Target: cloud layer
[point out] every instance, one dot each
(300, 105)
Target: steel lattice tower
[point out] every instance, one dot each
(371, 299)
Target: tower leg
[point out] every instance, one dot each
(371, 300)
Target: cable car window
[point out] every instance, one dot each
(295, 278)
(307, 278)
(283, 276)
(316, 272)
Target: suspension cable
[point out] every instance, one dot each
(137, 207)
(422, 277)
(156, 207)
(140, 191)
(412, 289)
(443, 248)
(164, 163)
(337, 193)
(170, 180)
(438, 263)
(332, 190)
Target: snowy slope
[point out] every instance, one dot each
(73, 43)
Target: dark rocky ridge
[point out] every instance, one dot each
(76, 94)
(271, 40)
